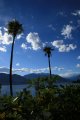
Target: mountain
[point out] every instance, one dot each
(20, 80)
(36, 75)
(77, 80)
(16, 79)
(73, 77)
(40, 75)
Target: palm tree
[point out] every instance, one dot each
(14, 28)
(48, 51)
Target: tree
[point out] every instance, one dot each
(14, 28)
(48, 51)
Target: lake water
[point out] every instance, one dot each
(17, 88)
(5, 89)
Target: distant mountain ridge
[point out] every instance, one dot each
(39, 75)
(36, 75)
(73, 77)
(16, 79)
(20, 80)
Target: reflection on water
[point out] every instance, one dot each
(5, 89)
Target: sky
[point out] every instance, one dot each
(54, 23)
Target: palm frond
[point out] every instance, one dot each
(14, 27)
(48, 50)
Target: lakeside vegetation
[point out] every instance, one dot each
(49, 103)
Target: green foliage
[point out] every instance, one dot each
(60, 103)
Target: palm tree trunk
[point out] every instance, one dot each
(49, 70)
(11, 61)
(49, 66)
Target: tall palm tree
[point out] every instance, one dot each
(48, 51)
(14, 28)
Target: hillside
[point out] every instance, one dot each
(16, 79)
(20, 80)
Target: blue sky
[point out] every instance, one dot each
(45, 22)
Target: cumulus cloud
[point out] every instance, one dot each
(67, 48)
(19, 36)
(25, 46)
(78, 57)
(3, 49)
(30, 70)
(5, 38)
(78, 65)
(34, 40)
(62, 47)
(76, 13)
(57, 43)
(67, 31)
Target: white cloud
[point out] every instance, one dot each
(20, 36)
(67, 31)
(62, 47)
(78, 57)
(76, 13)
(57, 43)
(72, 47)
(67, 48)
(39, 70)
(3, 49)
(69, 74)
(29, 70)
(78, 65)
(34, 40)
(24, 46)
(5, 38)
(5, 29)
(17, 64)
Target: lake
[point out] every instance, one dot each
(5, 89)
(17, 88)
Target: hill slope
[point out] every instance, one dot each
(16, 79)
(20, 80)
